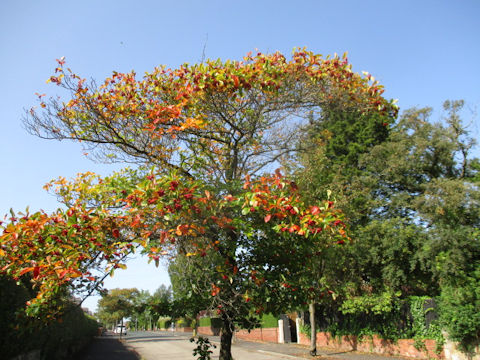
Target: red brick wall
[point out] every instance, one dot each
(184, 329)
(267, 335)
(403, 347)
(207, 330)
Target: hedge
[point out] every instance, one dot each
(267, 321)
(56, 340)
(215, 323)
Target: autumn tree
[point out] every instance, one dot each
(204, 128)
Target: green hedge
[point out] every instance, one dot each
(215, 323)
(269, 321)
(164, 323)
(184, 322)
(56, 340)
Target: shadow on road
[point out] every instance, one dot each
(106, 347)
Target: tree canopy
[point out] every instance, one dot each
(202, 135)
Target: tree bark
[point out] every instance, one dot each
(313, 329)
(226, 339)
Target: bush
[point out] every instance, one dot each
(164, 323)
(71, 333)
(460, 311)
(56, 340)
(215, 323)
(205, 321)
(184, 322)
(269, 321)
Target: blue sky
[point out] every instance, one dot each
(423, 52)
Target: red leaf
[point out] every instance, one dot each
(115, 233)
(267, 218)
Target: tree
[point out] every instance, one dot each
(204, 128)
(116, 305)
(426, 198)
(327, 161)
(141, 310)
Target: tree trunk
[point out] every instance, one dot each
(226, 339)
(313, 329)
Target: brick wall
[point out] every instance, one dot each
(267, 335)
(402, 347)
(208, 330)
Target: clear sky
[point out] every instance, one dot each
(423, 52)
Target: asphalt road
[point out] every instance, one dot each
(168, 345)
(147, 345)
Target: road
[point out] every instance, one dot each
(168, 345)
(146, 345)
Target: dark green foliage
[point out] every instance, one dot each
(213, 322)
(13, 340)
(269, 321)
(459, 271)
(58, 339)
(69, 334)
(411, 195)
(390, 254)
(459, 311)
(385, 315)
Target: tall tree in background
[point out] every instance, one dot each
(412, 204)
(117, 305)
(327, 162)
(428, 182)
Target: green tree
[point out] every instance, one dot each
(415, 182)
(328, 162)
(427, 186)
(117, 305)
(191, 284)
(141, 312)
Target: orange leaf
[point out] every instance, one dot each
(24, 271)
(267, 218)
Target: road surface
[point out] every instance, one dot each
(147, 345)
(168, 345)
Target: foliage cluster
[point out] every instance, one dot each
(400, 319)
